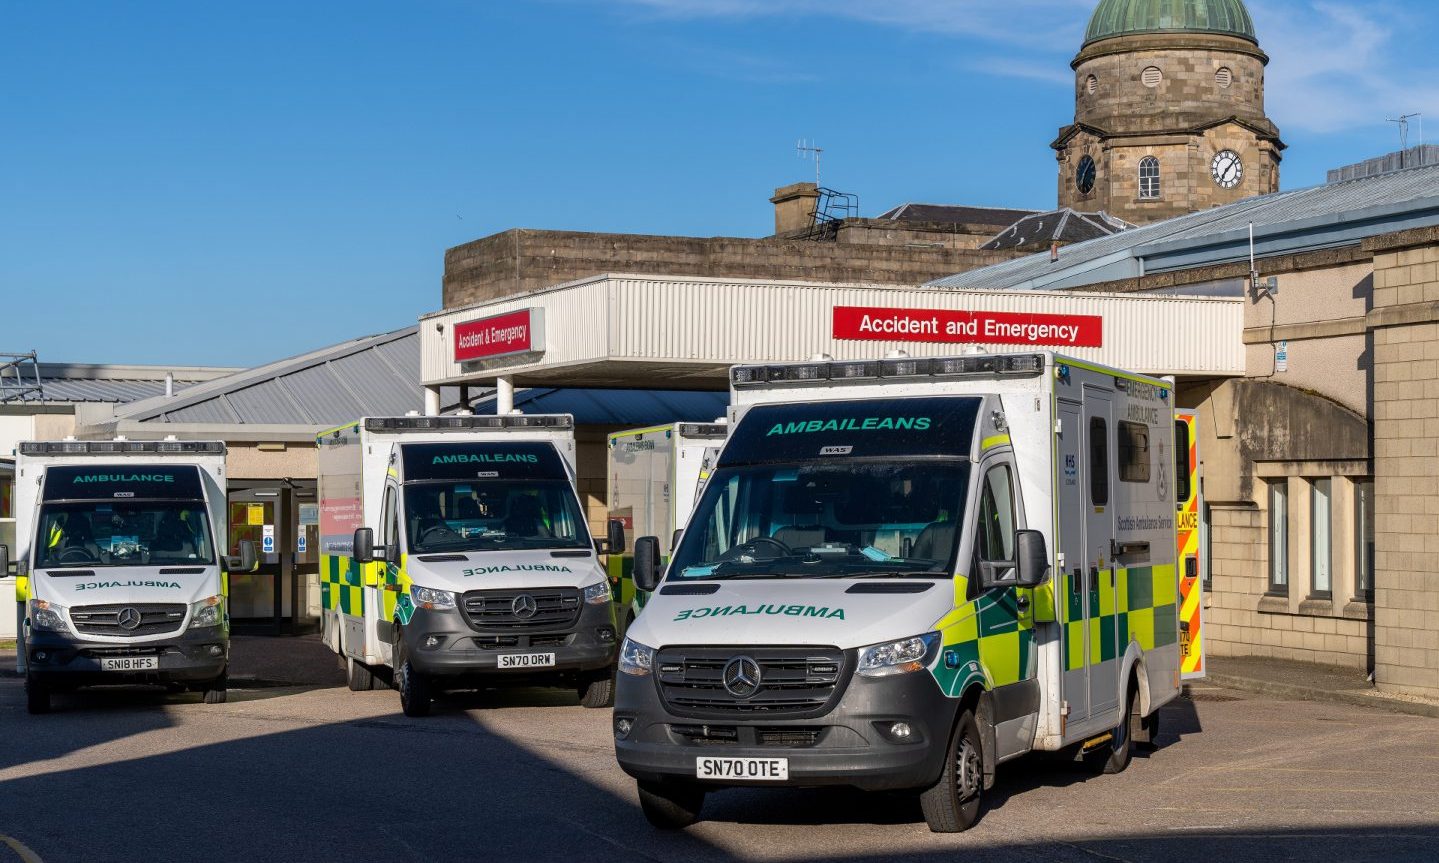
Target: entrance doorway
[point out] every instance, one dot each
(282, 519)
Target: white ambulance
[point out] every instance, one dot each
(120, 570)
(655, 475)
(454, 554)
(903, 573)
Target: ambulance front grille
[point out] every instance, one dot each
(794, 681)
(105, 619)
(508, 610)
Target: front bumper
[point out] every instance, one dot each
(590, 644)
(849, 748)
(65, 660)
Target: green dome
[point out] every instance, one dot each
(1126, 17)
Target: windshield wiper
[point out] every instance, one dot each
(892, 574)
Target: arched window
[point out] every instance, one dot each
(1149, 178)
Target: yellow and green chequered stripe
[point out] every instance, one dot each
(1140, 606)
(988, 641)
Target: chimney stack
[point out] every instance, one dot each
(794, 207)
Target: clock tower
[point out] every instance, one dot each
(1169, 112)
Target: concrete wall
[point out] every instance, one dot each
(520, 261)
(1405, 324)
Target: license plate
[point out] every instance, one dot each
(748, 769)
(129, 663)
(527, 660)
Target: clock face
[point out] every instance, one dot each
(1084, 176)
(1228, 169)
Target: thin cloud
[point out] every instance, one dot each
(1336, 65)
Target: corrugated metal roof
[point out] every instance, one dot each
(1286, 222)
(629, 408)
(372, 376)
(956, 214)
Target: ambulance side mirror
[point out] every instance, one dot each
(364, 545)
(4, 560)
(615, 541)
(246, 560)
(647, 563)
(1032, 555)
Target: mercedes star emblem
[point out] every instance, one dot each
(741, 677)
(524, 606)
(128, 619)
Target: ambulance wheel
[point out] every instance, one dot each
(597, 689)
(216, 692)
(416, 693)
(37, 696)
(952, 804)
(1115, 757)
(671, 805)
(361, 678)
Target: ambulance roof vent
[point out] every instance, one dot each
(412, 413)
(897, 354)
(464, 413)
(821, 358)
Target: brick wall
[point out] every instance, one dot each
(1405, 323)
(520, 261)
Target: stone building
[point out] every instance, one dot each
(1169, 112)
(1319, 463)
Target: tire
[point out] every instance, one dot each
(216, 694)
(360, 677)
(417, 694)
(952, 804)
(37, 697)
(1152, 728)
(671, 805)
(597, 689)
(1115, 757)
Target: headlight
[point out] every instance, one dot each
(636, 659)
(48, 616)
(435, 600)
(598, 594)
(899, 657)
(209, 611)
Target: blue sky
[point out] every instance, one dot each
(193, 183)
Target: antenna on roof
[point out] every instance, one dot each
(1403, 121)
(808, 149)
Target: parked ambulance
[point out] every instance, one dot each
(906, 572)
(120, 573)
(454, 554)
(655, 475)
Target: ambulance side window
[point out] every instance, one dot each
(390, 522)
(1181, 459)
(1098, 461)
(994, 535)
(1133, 452)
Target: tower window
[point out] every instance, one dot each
(1149, 178)
(1092, 85)
(1151, 76)
(1224, 77)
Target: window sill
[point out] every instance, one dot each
(1359, 608)
(1273, 603)
(1317, 605)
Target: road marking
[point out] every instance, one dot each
(19, 848)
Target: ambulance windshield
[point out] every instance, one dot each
(105, 533)
(490, 496)
(493, 515)
(836, 489)
(843, 519)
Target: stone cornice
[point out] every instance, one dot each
(1132, 42)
